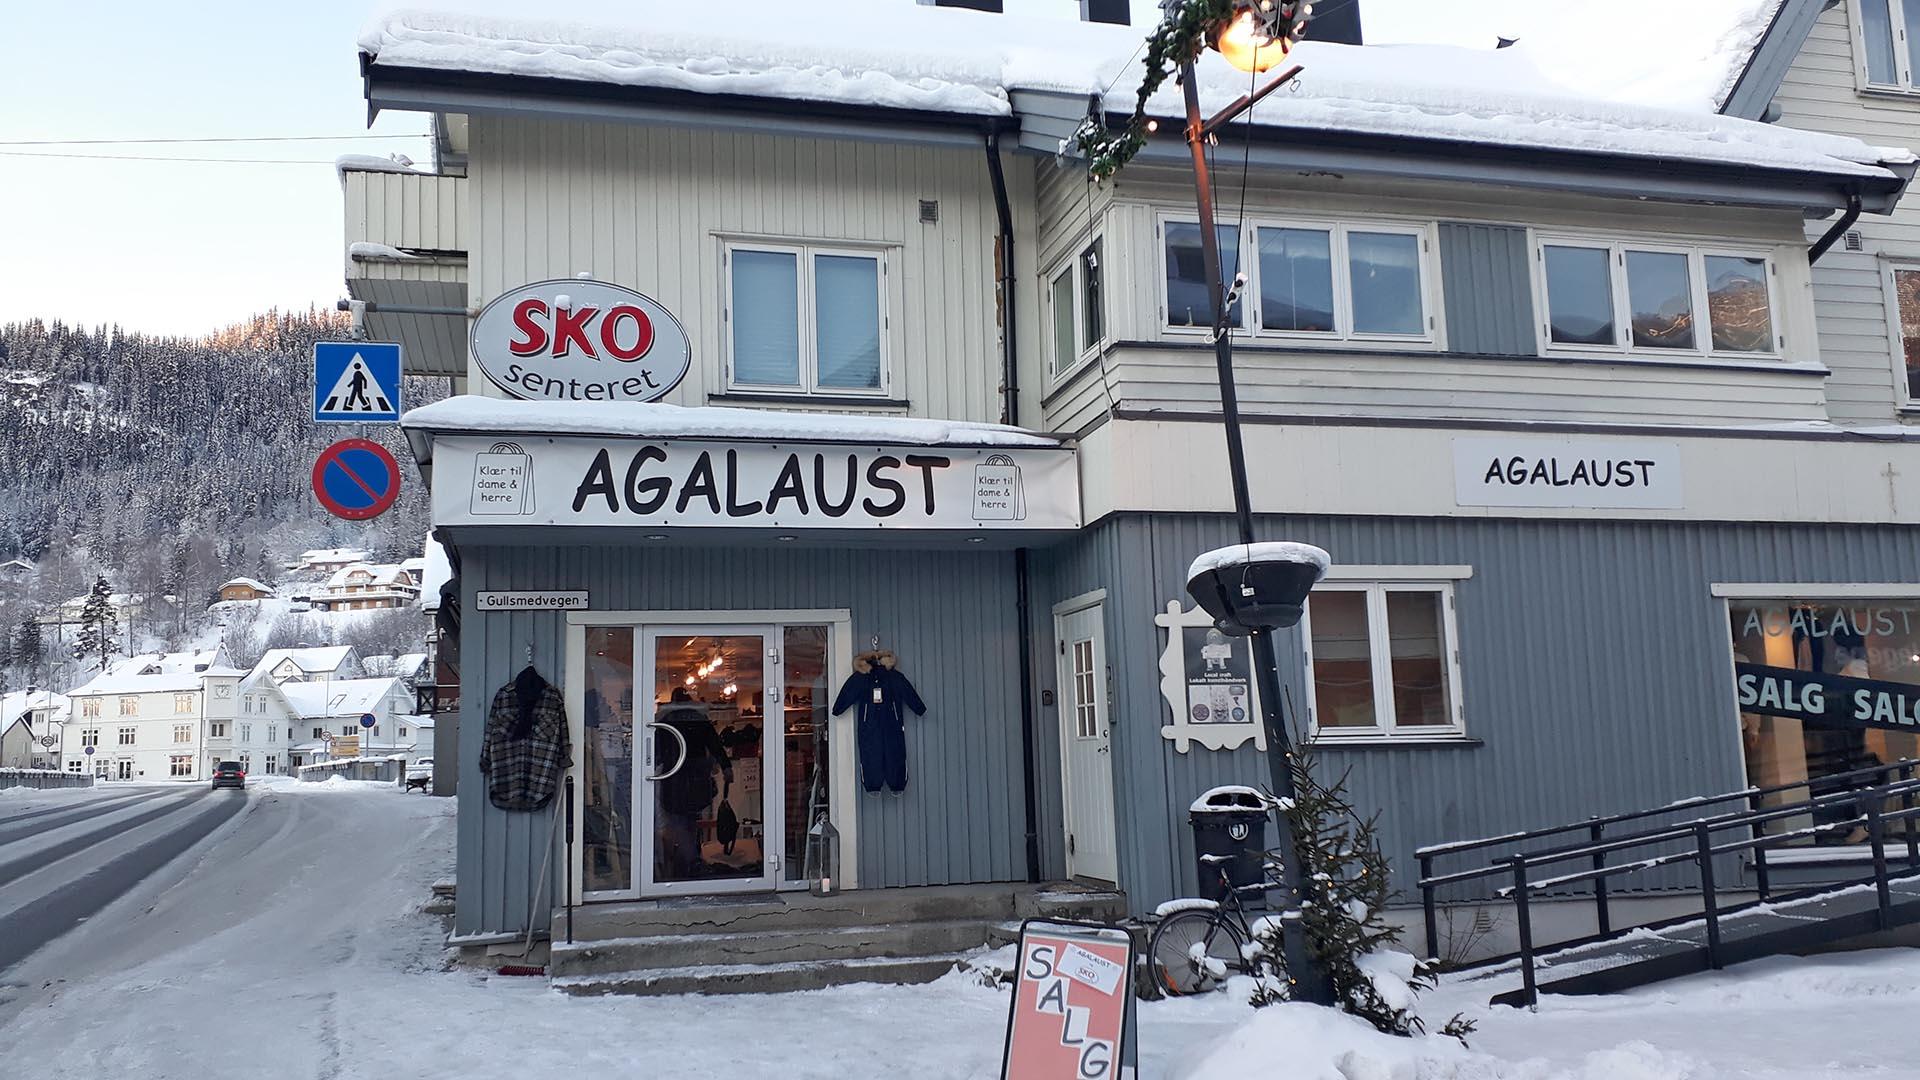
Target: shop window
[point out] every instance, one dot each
(1076, 299)
(1903, 306)
(1889, 43)
(180, 765)
(607, 766)
(1828, 690)
(1675, 300)
(1382, 661)
(805, 319)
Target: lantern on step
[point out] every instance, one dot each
(823, 857)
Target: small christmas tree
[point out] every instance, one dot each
(99, 626)
(1345, 880)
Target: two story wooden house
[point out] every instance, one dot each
(800, 365)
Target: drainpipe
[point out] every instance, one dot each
(1010, 413)
(1832, 237)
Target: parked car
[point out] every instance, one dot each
(229, 774)
(420, 775)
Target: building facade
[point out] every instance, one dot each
(924, 395)
(158, 717)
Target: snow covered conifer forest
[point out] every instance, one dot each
(167, 466)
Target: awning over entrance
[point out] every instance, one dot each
(500, 464)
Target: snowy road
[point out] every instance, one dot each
(288, 943)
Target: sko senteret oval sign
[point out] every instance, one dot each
(578, 340)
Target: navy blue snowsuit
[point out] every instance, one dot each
(882, 695)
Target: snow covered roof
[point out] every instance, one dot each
(380, 573)
(113, 682)
(336, 697)
(656, 420)
(900, 55)
(20, 702)
(313, 660)
(332, 555)
(251, 583)
(403, 666)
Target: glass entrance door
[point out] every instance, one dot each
(709, 794)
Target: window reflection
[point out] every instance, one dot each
(1579, 296)
(1738, 305)
(1661, 293)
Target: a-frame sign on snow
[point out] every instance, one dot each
(356, 382)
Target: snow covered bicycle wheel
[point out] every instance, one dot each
(1193, 952)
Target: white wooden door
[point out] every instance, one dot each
(1086, 744)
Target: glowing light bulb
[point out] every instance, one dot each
(689, 680)
(1245, 44)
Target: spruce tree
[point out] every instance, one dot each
(99, 626)
(29, 648)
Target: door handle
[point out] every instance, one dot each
(677, 737)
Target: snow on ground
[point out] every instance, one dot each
(293, 944)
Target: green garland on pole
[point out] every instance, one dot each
(1186, 28)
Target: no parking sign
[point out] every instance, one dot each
(356, 479)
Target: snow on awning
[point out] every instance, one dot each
(656, 420)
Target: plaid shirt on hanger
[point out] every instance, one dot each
(522, 774)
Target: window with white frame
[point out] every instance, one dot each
(806, 319)
(273, 732)
(1076, 302)
(127, 735)
(1654, 299)
(183, 733)
(1309, 280)
(319, 733)
(1903, 321)
(89, 737)
(74, 765)
(130, 706)
(90, 707)
(180, 765)
(273, 764)
(246, 732)
(1382, 660)
(183, 703)
(1887, 38)
(217, 729)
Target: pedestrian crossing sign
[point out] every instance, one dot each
(356, 382)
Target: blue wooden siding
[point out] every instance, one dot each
(1489, 294)
(950, 616)
(1594, 667)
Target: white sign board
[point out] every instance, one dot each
(713, 484)
(580, 340)
(1522, 470)
(1206, 678)
(531, 601)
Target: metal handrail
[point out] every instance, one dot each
(1870, 811)
(1597, 845)
(1457, 846)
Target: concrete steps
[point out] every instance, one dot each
(773, 943)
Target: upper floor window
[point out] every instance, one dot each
(1888, 31)
(805, 319)
(1903, 315)
(183, 703)
(90, 707)
(1076, 299)
(130, 706)
(1307, 280)
(1654, 299)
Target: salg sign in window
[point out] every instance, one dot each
(1825, 688)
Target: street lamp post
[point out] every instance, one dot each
(1309, 983)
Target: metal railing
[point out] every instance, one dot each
(1602, 847)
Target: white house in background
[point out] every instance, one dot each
(367, 587)
(326, 560)
(70, 611)
(30, 729)
(158, 717)
(313, 663)
(324, 711)
(409, 668)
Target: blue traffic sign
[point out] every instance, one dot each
(367, 719)
(356, 479)
(356, 382)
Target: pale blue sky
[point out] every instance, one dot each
(177, 247)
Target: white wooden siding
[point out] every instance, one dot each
(1821, 92)
(1139, 375)
(648, 207)
(407, 210)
